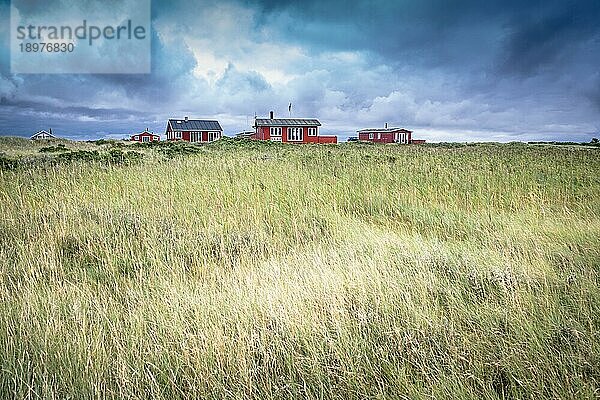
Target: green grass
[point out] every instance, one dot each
(258, 270)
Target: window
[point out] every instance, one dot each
(275, 131)
(145, 138)
(212, 136)
(295, 134)
(378, 135)
(312, 131)
(370, 136)
(136, 138)
(177, 135)
(195, 136)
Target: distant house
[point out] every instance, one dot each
(145, 137)
(194, 130)
(385, 135)
(41, 135)
(290, 130)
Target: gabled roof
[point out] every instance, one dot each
(43, 134)
(286, 122)
(368, 130)
(145, 133)
(194, 125)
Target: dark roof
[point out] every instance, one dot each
(383, 130)
(286, 122)
(194, 125)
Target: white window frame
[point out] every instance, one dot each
(136, 137)
(312, 131)
(371, 136)
(378, 135)
(213, 135)
(295, 134)
(178, 135)
(195, 136)
(275, 131)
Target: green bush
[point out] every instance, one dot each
(54, 149)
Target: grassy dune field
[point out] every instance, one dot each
(245, 270)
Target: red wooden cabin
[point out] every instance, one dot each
(385, 135)
(145, 137)
(290, 130)
(194, 130)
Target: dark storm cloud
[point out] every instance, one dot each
(171, 67)
(528, 34)
(536, 41)
(594, 93)
(27, 117)
(32, 109)
(4, 38)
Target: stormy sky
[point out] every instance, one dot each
(451, 71)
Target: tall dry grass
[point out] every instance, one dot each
(253, 270)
